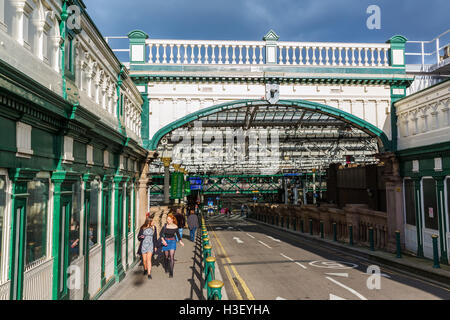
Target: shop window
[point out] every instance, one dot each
(430, 204)
(93, 214)
(410, 202)
(2, 212)
(36, 221)
(74, 223)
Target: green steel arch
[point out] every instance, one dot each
(303, 104)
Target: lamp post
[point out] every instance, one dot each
(166, 159)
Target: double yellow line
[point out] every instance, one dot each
(227, 271)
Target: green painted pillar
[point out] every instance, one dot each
(119, 273)
(106, 210)
(134, 220)
(56, 250)
(138, 52)
(418, 204)
(442, 218)
(87, 178)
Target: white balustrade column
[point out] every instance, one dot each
(55, 56)
(39, 39)
(17, 23)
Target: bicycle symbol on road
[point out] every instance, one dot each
(333, 264)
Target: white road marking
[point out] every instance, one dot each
(333, 297)
(345, 275)
(287, 257)
(298, 263)
(230, 228)
(280, 298)
(264, 244)
(251, 236)
(347, 288)
(277, 240)
(333, 264)
(238, 240)
(218, 228)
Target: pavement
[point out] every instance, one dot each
(187, 282)
(266, 263)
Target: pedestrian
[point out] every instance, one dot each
(192, 222)
(181, 221)
(169, 234)
(148, 235)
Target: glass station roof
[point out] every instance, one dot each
(287, 138)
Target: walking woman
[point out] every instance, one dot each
(169, 235)
(148, 245)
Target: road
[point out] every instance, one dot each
(263, 263)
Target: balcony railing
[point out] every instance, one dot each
(190, 52)
(256, 53)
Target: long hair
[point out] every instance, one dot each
(147, 224)
(173, 218)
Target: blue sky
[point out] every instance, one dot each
(293, 20)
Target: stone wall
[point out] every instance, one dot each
(298, 218)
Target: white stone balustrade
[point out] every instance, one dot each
(191, 52)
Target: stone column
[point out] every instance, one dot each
(17, 24)
(166, 162)
(442, 218)
(394, 200)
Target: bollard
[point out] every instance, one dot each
(282, 222)
(399, 247)
(435, 252)
(287, 223)
(210, 270)
(321, 229)
(206, 252)
(295, 224)
(214, 290)
(371, 240)
(334, 231)
(310, 227)
(302, 229)
(350, 233)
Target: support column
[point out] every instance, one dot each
(394, 200)
(166, 162)
(119, 273)
(87, 179)
(418, 205)
(442, 218)
(17, 23)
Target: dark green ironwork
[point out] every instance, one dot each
(334, 231)
(350, 233)
(321, 229)
(399, 247)
(371, 239)
(436, 264)
(302, 229)
(310, 227)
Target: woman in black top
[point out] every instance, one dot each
(169, 236)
